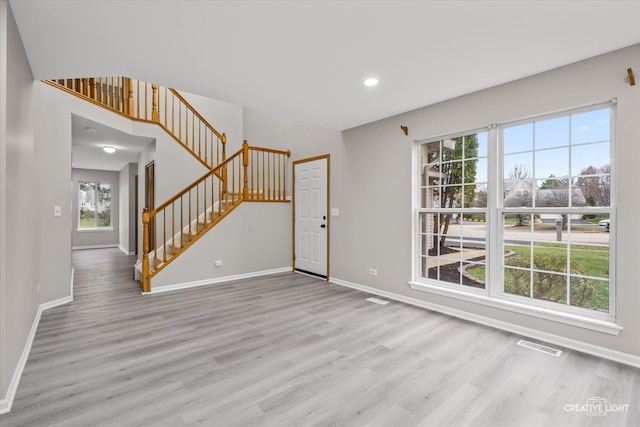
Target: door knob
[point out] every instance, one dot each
(323, 226)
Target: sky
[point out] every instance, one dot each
(559, 146)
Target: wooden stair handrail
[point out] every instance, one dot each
(252, 174)
(123, 102)
(185, 102)
(193, 184)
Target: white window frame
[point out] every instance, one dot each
(96, 227)
(493, 294)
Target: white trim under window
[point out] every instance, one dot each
(545, 254)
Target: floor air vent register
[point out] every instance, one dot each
(541, 348)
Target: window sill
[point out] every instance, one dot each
(94, 230)
(604, 326)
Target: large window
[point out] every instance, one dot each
(94, 205)
(452, 214)
(542, 236)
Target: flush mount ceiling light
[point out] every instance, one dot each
(108, 149)
(371, 81)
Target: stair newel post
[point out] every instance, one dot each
(146, 282)
(130, 97)
(284, 191)
(224, 147)
(155, 117)
(245, 165)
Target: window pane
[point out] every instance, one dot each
(552, 133)
(103, 207)
(483, 144)
(549, 287)
(589, 293)
(518, 138)
(517, 281)
(453, 248)
(449, 170)
(552, 163)
(480, 196)
(481, 170)
(94, 205)
(589, 249)
(518, 186)
(518, 166)
(589, 156)
(592, 126)
(517, 231)
(87, 205)
(557, 257)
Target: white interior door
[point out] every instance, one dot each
(311, 217)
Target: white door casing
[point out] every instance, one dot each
(311, 219)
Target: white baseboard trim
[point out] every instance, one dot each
(213, 281)
(79, 248)
(56, 303)
(126, 252)
(7, 402)
(605, 353)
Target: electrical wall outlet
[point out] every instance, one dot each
(373, 272)
(218, 263)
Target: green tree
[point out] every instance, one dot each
(458, 169)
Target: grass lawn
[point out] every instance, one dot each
(587, 259)
(87, 223)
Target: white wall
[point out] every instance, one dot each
(371, 185)
(175, 168)
(126, 212)
(19, 203)
(377, 215)
(255, 237)
(84, 239)
(224, 117)
(264, 129)
(53, 131)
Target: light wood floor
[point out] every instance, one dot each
(290, 350)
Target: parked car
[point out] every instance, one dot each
(604, 223)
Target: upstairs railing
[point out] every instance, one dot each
(252, 174)
(148, 102)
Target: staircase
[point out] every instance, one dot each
(252, 174)
(152, 103)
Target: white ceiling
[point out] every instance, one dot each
(89, 137)
(307, 59)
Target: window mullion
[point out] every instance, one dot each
(95, 203)
(494, 202)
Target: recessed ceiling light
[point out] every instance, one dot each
(108, 149)
(372, 81)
